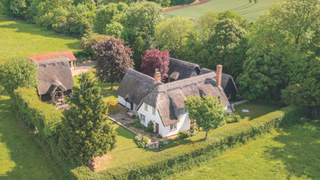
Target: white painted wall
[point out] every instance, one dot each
(121, 101)
(184, 123)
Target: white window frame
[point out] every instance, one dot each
(153, 110)
(142, 118)
(173, 127)
(146, 107)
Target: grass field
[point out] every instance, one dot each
(19, 39)
(20, 155)
(291, 153)
(246, 10)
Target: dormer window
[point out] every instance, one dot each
(183, 111)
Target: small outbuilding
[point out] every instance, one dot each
(55, 79)
(54, 55)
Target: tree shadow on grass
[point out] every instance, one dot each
(300, 153)
(23, 156)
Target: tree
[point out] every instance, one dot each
(114, 29)
(86, 131)
(105, 14)
(140, 19)
(156, 59)
(222, 47)
(207, 24)
(278, 41)
(139, 48)
(87, 43)
(207, 111)
(304, 88)
(113, 60)
(173, 33)
(18, 72)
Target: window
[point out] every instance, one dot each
(173, 127)
(153, 111)
(145, 107)
(142, 118)
(183, 111)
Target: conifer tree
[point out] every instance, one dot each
(139, 48)
(86, 131)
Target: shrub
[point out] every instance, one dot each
(146, 139)
(183, 134)
(150, 127)
(233, 118)
(112, 107)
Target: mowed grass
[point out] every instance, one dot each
(291, 153)
(242, 7)
(257, 109)
(125, 152)
(20, 155)
(19, 39)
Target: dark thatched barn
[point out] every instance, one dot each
(227, 83)
(55, 79)
(179, 69)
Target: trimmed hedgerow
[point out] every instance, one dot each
(47, 120)
(153, 166)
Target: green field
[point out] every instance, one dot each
(20, 154)
(19, 39)
(246, 10)
(291, 153)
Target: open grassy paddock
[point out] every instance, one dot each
(242, 7)
(20, 154)
(291, 153)
(19, 39)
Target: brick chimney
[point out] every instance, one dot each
(219, 75)
(157, 76)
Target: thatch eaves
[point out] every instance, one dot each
(169, 98)
(135, 86)
(54, 73)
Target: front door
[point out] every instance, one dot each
(157, 128)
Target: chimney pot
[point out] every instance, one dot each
(219, 75)
(157, 76)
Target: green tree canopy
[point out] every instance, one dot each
(207, 111)
(18, 72)
(139, 48)
(172, 34)
(86, 131)
(277, 43)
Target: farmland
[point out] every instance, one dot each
(242, 7)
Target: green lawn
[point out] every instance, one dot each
(256, 109)
(20, 155)
(291, 153)
(19, 39)
(246, 10)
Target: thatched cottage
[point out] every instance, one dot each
(54, 55)
(55, 79)
(163, 103)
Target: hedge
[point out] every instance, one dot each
(47, 120)
(165, 160)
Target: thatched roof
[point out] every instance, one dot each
(54, 55)
(52, 74)
(182, 69)
(169, 98)
(224, 79)
(135, 86)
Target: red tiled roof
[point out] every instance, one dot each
(66, 54)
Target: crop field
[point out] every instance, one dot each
(242, 7)
(19, 39)
(290, 153)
